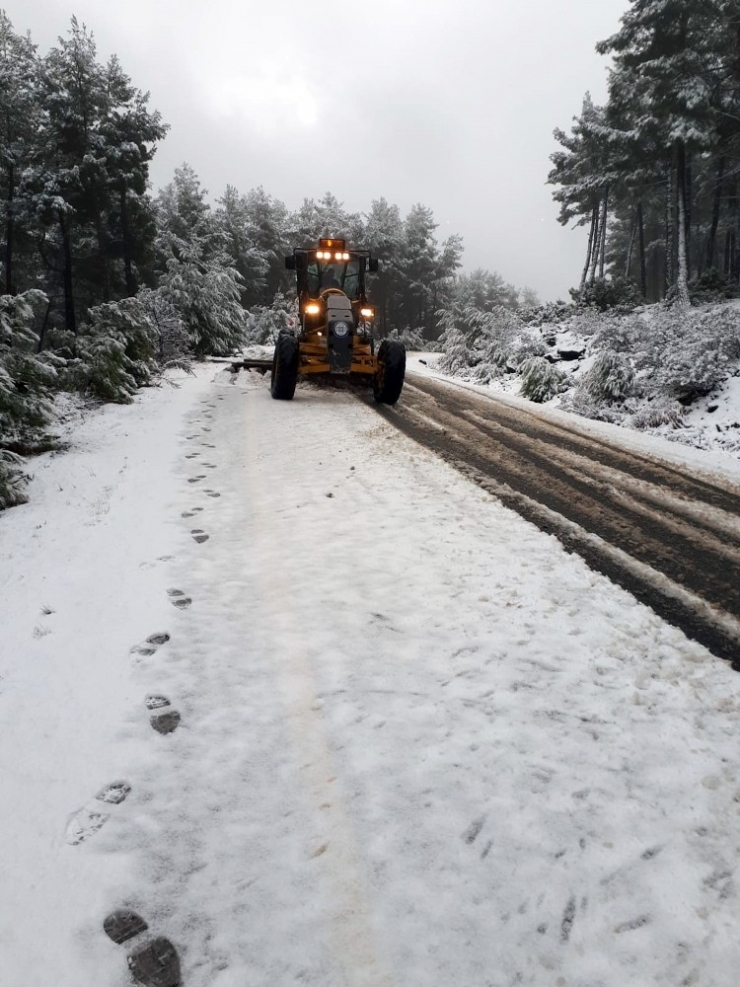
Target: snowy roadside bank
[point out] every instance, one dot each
(419, 743)
(704, 459)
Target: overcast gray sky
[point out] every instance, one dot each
(451, 104)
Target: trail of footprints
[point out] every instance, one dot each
(152, 960)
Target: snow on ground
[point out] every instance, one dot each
(419, 743)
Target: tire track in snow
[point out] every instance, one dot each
(669, 537)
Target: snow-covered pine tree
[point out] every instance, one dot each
(117, 349)
(26, 383)
(184, 217)
(129, 135)
(384, 236)
(205, 291)
(665, 59)
(583, 173)
(19, 122)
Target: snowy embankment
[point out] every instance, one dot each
(669, 373)
(702, 458)
(418, 743)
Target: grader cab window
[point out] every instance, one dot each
(334, 274)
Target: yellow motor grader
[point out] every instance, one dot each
(334, 335)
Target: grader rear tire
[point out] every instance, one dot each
(284, 368)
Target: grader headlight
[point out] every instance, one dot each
(367, 313)
(312, 308)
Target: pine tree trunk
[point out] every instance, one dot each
(9, 235)
(602, 251)
(70, 320)
(596, 246)
(103, 252)
(44, 327)
(631, 247)
(731, 236)
(589, 250)
(682, 281)
(669, 232)
(643, 269)
(688, 212)
(127, 262)
(716, 205)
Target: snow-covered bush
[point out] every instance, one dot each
(550, 314)
(687, 352)
(413, 340)
(713, 286)
(455, 355)
(173, 347)
(117, 351)
(12, 480)
(264, 323)
(540, 379)
(615, 293)
(27, 380)
(610, 379)
(662, 411)
(206, 294)
(620, 334)
(526, 345)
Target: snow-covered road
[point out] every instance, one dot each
(419, 744)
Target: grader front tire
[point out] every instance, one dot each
(284, 368)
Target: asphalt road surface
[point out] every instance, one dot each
(667, 535)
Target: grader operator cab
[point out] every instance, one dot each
(334, 336)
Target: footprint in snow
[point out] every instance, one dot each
(212, 493)
(569, 916)
(90, 818)
(153, 960)
(179, 599)
(192, 455)
(473, 831)
(199, 535)
(196, 479)
(164, 718)
(151, 644)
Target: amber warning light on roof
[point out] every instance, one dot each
(336, 244)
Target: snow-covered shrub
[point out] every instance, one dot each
(173, 346)
(688, 351)
(455, 355)
(616, 293)
(590, 322)
(610, 378)
(662, 411)
(12, 480)
(117, 351)
(26, 383)
(551, 313)
(618, 333)
(413, 340)
(206, 294)
(526, 345)
(713, 286)
(264, 323)
(540, 380)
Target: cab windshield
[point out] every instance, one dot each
(335, 274)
